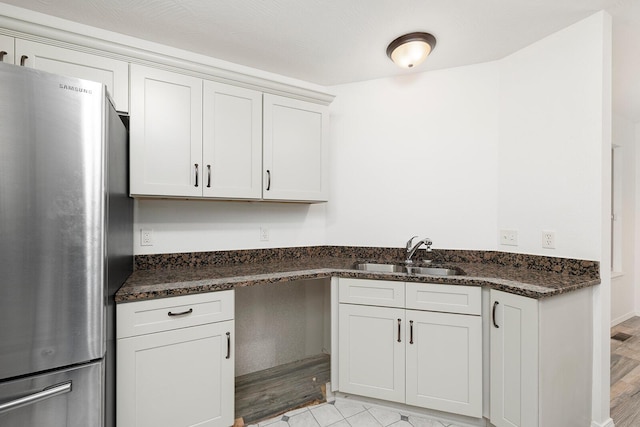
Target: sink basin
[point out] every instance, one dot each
(399, 268)
(434, 271)
(382, 268)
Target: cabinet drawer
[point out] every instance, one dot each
(145, 317)
(445, 298)
(372, 292)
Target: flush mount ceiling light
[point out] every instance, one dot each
(411, 49)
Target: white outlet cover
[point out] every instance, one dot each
(549, 239)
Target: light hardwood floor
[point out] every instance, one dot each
(625, 374)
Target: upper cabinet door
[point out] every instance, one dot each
(232, 142)
(295, 156)
(111, 72)
(6, 49)
(165, 133)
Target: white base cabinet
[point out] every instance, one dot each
(430, 359)
(372, 351)
(541, 360)
(444, 362)
(175, 363)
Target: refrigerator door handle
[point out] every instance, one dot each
(47, 393)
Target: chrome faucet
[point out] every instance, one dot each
(412, 250)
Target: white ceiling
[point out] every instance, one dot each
(331, 42)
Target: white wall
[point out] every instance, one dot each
(623, 288)
(416, 155)
(550, 141)
(194, 226)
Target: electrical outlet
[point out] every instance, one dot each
(509, 237)
(549, 239)
(146, 237)
(264, 234)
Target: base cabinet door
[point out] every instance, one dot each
(514, 360)
(182, 377)
(444, 362)
(67, 62)
(372, 351)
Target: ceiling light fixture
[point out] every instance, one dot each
(411, 49)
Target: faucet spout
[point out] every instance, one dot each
(411, 250)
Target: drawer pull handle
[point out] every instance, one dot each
(493, 314)
(208, 176)
(399, 323)
(196, 167)
(410, 331)
(268, 180)
(228, 345)
(181, 314)
(2, 54)
(23, 59)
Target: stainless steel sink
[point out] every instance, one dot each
(434, 271)
(399, 268)
(381, 268)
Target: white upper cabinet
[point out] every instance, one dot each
(111, 72)
(295, 156)
(196, 138)
(232, 142)
(165, 133)
(6, 49)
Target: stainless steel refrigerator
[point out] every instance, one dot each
(65, 248)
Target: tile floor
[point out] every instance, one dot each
(342, 413)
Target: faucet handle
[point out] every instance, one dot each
(410, 243)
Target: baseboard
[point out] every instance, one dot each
(622, 318)
(607, 423)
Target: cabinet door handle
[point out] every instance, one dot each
(180, 314)
(493, 314)
(410, 331)
(268, 180)
(23, 59)
(196, 167)
(2, 54)
(208, 176)
(228, 345)
(399, 322)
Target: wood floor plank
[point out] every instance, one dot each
(265, 394)
(625, 375)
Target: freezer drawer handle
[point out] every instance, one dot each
(47, 393)
(181, 314)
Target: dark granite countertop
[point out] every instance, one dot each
(167, 275)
